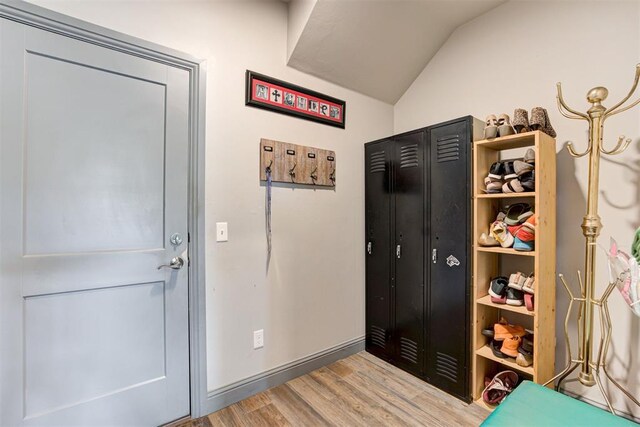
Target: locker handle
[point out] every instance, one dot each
(434, 256)
(369, 248)
(398, 251)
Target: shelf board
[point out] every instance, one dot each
(527, 139)
(486, 300)
(505, 195)
(480, 402)
(486, 352)
(507, 251)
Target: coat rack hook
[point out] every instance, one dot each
(268, 168)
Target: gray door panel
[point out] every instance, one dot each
(93, 182)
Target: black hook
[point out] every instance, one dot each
(268, 168)
(292, 174)
(313, 175)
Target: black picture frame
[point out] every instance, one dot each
(293, 100)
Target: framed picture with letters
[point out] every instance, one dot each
(286, 98)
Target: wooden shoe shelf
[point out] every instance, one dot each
(490, 262)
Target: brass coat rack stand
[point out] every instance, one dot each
(590, 368)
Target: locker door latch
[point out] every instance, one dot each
(369, 247)
(434, 256)
(398, 251)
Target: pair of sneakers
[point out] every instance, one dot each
(524, 289)
(502, 292)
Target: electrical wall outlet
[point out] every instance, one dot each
(258, 339)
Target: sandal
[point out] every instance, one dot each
(524, 238)
(509, 171)
(504, 125)
(513, 186)
(491, 127)
(517, 213)
(493, 186)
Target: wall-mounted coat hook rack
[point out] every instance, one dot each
(297, 164)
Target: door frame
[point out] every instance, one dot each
(45, 19)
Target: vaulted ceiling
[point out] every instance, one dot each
(375, 47)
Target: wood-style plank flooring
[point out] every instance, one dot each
(360, 390)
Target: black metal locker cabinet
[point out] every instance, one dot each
(378, 246)
(448, 240)
(418, 208)
(408, 309)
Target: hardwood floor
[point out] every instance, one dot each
(360, 390)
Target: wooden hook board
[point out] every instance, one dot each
(297, 164)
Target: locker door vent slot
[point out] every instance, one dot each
(409, 350)
(378, 162)
(447, 366)
(409, 156)
(378, 336)
(448, 149)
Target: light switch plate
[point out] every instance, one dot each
(222, 232)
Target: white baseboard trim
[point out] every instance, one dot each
(225, 396)
(597, 404)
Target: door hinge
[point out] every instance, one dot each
(434, 256)
(369, 247)
(189, 237)
(398, 251)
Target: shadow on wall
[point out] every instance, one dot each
(571, 206)
(629, 362)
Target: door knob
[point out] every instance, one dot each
(176, 264)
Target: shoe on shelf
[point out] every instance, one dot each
(530, 156)
(491, 127)
(529, 285)
(493, 186)
(513, 186)
(524, 238)
(510, 346)
(499, 232)
(487, 240)
(526, 347)
(521, 167)
(515, 297)
(499, 387)
(498, 287)
(539, 120)
(523, 360)
(517, 213)
(529, 301)
(488, 332)
(509, 171)
(528, 181)
(504, 125)
(503, 330)
(521, 120)
(516, 280)
(496, 171)
(495, 349)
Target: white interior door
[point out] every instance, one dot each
(93, 184)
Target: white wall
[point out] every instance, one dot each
(512, 57)
(299, 13)
(312, 298)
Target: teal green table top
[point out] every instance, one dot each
(533, 405)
